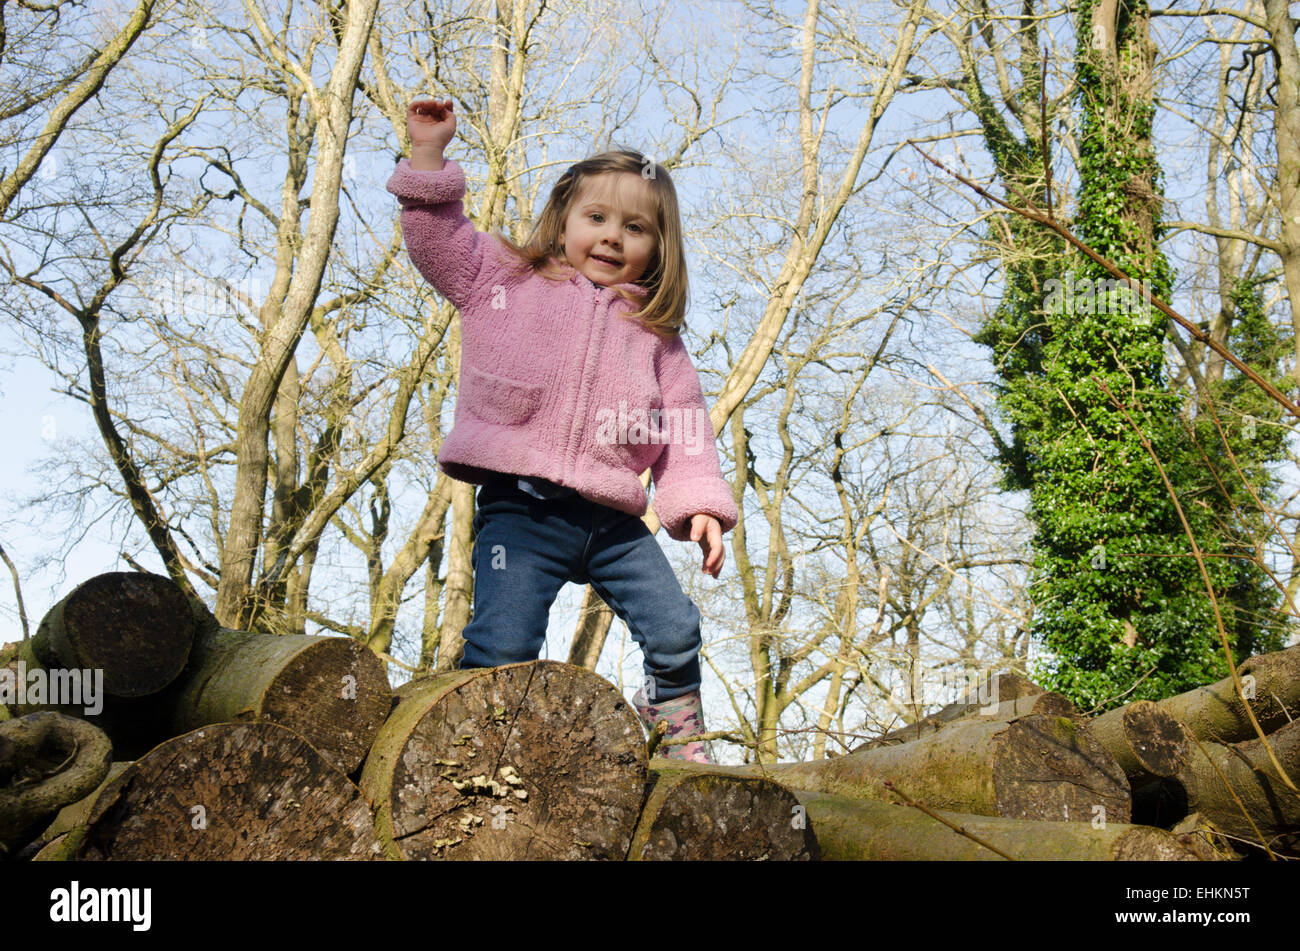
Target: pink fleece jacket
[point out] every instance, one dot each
(556, 380)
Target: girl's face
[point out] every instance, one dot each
(609, 234)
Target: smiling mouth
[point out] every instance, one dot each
(604, 260)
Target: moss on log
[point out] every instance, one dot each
(1035, 767)
(862, 829)
(541, 760)
(229, 791)
(693, 812)
(74, 814)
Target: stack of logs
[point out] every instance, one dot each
(133, 726)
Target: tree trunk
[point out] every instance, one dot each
(594, 620)
(231, 791)
(1217, 713)
(1286, 95)
(857, 829)
(693, 812)
(135, 627)
(305, 254)
(540, 760)
(1035, 767)
(332, 690)
(47, 760)
(1246, 767)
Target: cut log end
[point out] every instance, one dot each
(332, 690)
(136, 627)
(692, 814)
(337, 695)
(231, 791)
(1144, 844)
(527, 761)
(1050, 768)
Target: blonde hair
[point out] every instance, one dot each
(664, 279)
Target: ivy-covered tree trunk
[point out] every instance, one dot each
(1117, 591)
(1119, 600)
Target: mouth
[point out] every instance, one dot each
(604, 260)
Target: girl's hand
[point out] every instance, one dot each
(707, 530)
(430, 124)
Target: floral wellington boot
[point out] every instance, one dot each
(685, 716)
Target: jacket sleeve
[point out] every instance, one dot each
(443, 244)
(688, 475)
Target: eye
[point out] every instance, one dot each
(636, 228)
(596, 216)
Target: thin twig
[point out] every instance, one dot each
(730, 736)
(1088, 713)
(934, 815)
(18, 592)
(1042, 132)
(656, 737)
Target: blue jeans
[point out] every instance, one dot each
(526, 548)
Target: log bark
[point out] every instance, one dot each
(1046, 703)
(1217, 713)
(541, 760)
(134, 626)
(332, 690)
(1246, 767)
(1035, 767)
(856, 829)
(47, 760)
(75, 814)
(693, 812)
(230, 791)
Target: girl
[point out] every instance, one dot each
(573, 381)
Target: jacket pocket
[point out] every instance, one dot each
(498, 399)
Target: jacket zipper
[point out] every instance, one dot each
(580, 413)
